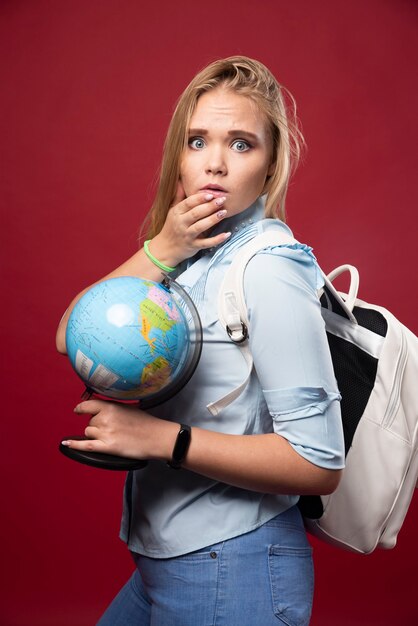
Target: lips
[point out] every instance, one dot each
(215, 187)
(216, 190)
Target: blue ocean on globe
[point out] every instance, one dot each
(127, 338)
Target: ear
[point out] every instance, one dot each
(270, 173)
(271, 168)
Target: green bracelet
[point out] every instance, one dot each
(156, 262)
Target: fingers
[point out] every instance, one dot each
(90, 407)
(94, 441)
(87, 445)
(200, 224)
(205, 202)
(204, 216)
(212, 242)
(187, 227)
(112, 429)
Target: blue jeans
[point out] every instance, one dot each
(260, 578)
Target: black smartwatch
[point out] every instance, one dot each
(180, 447)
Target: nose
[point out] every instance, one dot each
(216, 162)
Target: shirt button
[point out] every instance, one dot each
(213, 555)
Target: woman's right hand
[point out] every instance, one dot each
(187, 227)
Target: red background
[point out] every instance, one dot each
(88, 88)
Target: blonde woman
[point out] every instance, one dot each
(222, 541)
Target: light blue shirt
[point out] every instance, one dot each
(292, 392)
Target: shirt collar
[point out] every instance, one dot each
(237, 223)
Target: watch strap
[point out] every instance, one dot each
(180, 447)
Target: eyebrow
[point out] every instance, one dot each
(231, 133)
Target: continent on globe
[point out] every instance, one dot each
(160, 298)
(155, 375)
(153, 316)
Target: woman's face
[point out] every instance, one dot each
(229, 150)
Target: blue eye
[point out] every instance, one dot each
(241, 146)
(196, 143)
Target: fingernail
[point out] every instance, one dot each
(221, 214)
(209, 196)
(76, 409)
(220, 201)
(65, 443)
(226, 235)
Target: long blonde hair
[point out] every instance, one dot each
(249, 78)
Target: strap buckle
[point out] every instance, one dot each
(242, 336)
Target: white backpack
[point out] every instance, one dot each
(375, 361)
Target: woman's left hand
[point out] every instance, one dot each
(124, 430)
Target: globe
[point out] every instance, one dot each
(133, 339)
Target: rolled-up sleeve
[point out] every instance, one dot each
(291, 354)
